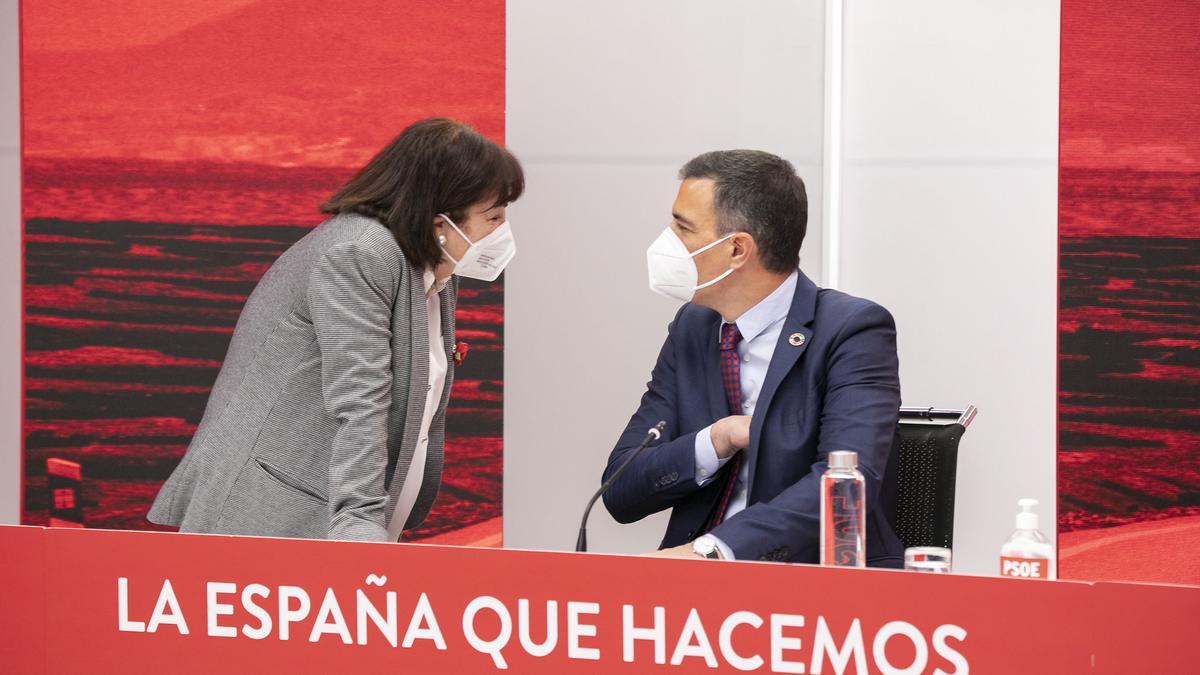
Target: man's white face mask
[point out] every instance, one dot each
(485, 259)
(672, 268)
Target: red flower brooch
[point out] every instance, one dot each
(460, 352)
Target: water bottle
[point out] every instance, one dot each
(843, 512)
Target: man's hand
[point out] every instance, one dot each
(730, 435)
(684, 551)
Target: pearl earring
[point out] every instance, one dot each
(442, 239)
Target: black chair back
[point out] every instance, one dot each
(926, 473)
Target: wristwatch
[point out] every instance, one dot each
(706, 547)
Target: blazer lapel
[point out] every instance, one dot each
(449, 301)
(718, 406)
(412, 305)
(793, 341)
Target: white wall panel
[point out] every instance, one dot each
(949, 219)
(605, 102)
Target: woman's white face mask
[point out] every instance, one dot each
(485, 259)
(672, 268)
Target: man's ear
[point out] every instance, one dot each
(744, 247)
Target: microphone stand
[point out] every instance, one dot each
(652, 435)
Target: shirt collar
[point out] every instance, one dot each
(432, 285)
(768, 311)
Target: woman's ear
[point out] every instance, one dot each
(439, 230)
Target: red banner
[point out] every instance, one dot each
(1129, 238)
(149, 602)
(171, 151)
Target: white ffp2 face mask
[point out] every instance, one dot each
(485, 259)
(672, 267)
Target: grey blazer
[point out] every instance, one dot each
(311, 426)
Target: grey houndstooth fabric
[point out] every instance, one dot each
(311, 426)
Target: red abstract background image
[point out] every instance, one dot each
(1129, 291)
(171, 151)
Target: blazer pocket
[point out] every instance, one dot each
(274, 473)
(792, 416)
(261, 504)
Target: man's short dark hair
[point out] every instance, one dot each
(760, 194)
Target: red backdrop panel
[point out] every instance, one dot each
(171, 152)
(1129, 291)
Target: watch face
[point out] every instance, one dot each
(704, 546)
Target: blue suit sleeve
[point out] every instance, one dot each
(862, 400)
(663, 474)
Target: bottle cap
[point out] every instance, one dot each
(1027, 519)
(843, 459)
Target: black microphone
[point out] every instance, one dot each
(652, 435)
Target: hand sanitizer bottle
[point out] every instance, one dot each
(1027, 554)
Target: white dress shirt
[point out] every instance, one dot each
(433, 397)
(760, 327)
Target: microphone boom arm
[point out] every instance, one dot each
(652, 435)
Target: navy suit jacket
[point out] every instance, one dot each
(839, 389)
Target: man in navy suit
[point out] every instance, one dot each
(762, 375)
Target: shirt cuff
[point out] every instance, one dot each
(707, 462)
(726, 552)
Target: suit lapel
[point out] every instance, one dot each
(793, 342)
(717, 404)
(414, 315)
(449, 301)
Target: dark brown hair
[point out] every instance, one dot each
(434, 166)
(758, 193)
